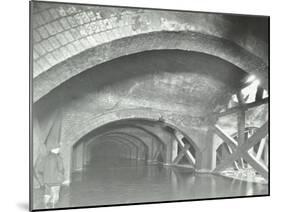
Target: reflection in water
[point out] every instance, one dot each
(120, 181)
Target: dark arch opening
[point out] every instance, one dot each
(152, 146)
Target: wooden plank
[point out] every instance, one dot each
(244, 148)
(241, 128)
(184, 149)
(179, 139)
(231, 142)
(226, 138)
(266, 153)
(235, 164)
(157, 153)
(243, 107)
(185, 152)
(261, 148)
(257, 136)
(257, 165)
(240, 98)
(178, 158)
(190, 157)
(181, 153)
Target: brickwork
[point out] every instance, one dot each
(182, 97)
(96, 35)
(71, 40)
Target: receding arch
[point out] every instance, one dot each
(120, 137)
(147, 114)
(112, 133)
(78, 164)
(142, 148)
(127, 137)
(142, 128)
(125, 142)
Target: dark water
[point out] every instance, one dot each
(128, 181)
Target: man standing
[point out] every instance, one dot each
(50, 173)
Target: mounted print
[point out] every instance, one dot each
(137, 105)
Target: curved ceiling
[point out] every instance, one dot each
(69, 39)
(178, 83)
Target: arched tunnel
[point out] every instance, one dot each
(155, 123)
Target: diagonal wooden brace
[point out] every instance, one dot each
(184, 152)
(243, 107)
(242, 151)
(226, 138)
(257, 165)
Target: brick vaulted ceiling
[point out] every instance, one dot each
(170, 81)
(69, 40)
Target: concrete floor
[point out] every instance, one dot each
(119, 181)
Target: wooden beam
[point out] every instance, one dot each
(241, 116)
(243, 149)
(243, 107)
(178, 158)
(240, 98)
(261, 148)
(157, 153)
(265, 158)
(231, 142)
(181, 153)
(185, 152)
(241, 127)
(226, 138)
(179, 139)
(190, 157)
(257, 136)
(235, 164)
(257, 165)
(184, 149)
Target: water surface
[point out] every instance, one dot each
(119, 181)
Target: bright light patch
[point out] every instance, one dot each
(251, 90)
(256, 82)
(251, 78)
(265, 94)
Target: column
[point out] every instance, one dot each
(206, 158)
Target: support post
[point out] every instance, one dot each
(208, 154)
(241, 116)
(174, 149)
(265, 158)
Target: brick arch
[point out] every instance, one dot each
(68, 39)
(118, 132)
(63, 30)
(119, 129)
(162, 40)
(148, 114)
